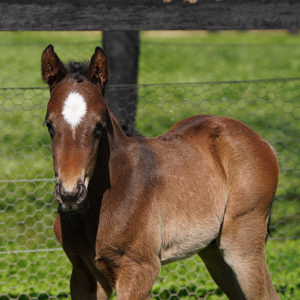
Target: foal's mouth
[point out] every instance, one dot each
(76, 208)
(71, 207)
(70, 201)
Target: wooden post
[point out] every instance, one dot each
(122, 48)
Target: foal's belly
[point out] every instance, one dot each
(185, 240)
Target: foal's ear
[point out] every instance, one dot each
(53, 70)
(98, 69)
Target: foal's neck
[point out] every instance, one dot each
(116, 135)
(112, 142)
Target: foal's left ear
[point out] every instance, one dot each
(53, 70)
(98, 68)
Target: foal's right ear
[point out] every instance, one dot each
(53, 70)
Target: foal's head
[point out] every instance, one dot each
(76, 117)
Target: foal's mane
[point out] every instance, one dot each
(78, 70)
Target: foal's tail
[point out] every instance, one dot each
(270, 210)
(268, 235)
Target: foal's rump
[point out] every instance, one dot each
(250, 165)
(228, 147)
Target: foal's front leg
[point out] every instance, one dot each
(135, 280)
(83, 285)
(85, 288)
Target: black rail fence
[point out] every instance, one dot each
(32, 264)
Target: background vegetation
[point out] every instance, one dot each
(167, 60)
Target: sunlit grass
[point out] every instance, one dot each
(269, 107)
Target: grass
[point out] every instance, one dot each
(200, 56)
(31, 273)
(27, 47)
(26, 187)
(219, 56)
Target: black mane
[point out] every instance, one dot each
(78, 70)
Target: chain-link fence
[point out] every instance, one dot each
(32, 264)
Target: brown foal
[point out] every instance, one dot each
(127, 205)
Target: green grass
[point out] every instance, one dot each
(43, 274)
(219, 56)
(21, 52)
(200, 57)
(269, 107)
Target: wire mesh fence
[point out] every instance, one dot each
(32, 264)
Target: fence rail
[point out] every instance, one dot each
(32, 263)
(149, 15)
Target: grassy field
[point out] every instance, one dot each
(42, 275)
(269, 107)
(200, 56)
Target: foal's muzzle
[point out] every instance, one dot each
(70, 200)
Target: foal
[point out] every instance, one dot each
(129, 205)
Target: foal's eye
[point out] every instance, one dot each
(99, 128)
(49, 125)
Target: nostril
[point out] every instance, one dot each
(57, 192)
(81, 192)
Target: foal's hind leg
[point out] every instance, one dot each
(242, 244)
(221, 272)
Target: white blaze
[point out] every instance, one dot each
(74, 109)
